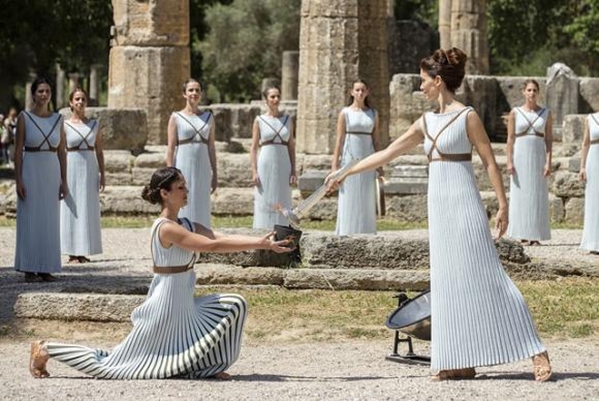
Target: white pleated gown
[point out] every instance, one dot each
(478, 315)
(356, 212)
(192, 158)
(174, 334)
(274, 171)
(80, 230)
(38, 215)
(529, 197)
(590, 232)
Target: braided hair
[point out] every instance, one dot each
(163, 178)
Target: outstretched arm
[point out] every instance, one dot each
(479, 138)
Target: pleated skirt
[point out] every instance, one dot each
(590, 232)
(478, 316)
(193, 161)
(80, 230)
(356, 211)
(274, 170)
(174, 335)
(529, 197)
(38, 215)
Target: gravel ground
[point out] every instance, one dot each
(354, 370)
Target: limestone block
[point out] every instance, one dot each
(369, 280)
(574, 210)
(406, 186)
(69, 307)
(311, 180)
(314, 162)
(118, 161)
(573, 129)
(151, 23)
(138, 78)
(152, 160)
(330, 9)
(125, 200)
(574, 164)
(412, 208)
(233, 201)
(141, 175)
(234, 170)
(124, 178)
(562, 93)
(326, 209)
(122, 128)
(566, 185)
(510, 91)
(589, 94)
(481, 93)
(237, 275)
(556, 209)
(409, 171)
(234, 120)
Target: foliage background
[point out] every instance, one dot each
(237, 43)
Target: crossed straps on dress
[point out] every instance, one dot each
(530, 124)
(449, 157)
(198, 131)
(277, 133)
(83, 138)
(171, 269)
(46, 137)
(594, 141)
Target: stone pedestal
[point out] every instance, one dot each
(340, 41)
(289, 75)
(149, 59)
(94, 85)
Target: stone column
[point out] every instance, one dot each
(149, 59)
(562, 94)
(469, 33)
(60, 82)
(74, 83)
(340, 41)
(94, 85)
(289, 75)
(28, 96)
(445, 23)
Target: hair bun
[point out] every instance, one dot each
(456, 57)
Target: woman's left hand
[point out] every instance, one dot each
(102, 185)
(293, 179)
(547, 170)
(275, 246)
(214, 184)
(63, 191)
(501, 222)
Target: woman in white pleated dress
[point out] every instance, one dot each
(529, 151)
(589, 174)
(357, 137)
(273, 166)
(478, 316)
(191, 149)
(174, 334)
(80, 230)
(40, 175)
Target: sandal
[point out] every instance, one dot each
(534, 243)
(31, 277)
(73, 259)
(222, 376)
(542, 367)
(38, 357)
(46, 277)
(455, 374)
(83, 259)
(525, 242)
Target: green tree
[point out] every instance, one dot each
(245, 44)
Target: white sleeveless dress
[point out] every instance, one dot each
(590, 233)
(80, 231)
(478, 315)
(529, 197)
(356, 212)
(274, 171)
(38, 215)
(174, 334)
(192, 158)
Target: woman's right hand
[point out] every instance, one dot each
(21, 190)
(255, 180)
(275, 246)
(333, 181)
(582, 175)
(510, 168)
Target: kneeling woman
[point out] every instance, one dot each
(174, 334)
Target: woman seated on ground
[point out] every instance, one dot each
(174, 334)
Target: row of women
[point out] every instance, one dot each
(479, 317)
(44, 145)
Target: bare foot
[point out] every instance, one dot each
(38, 357)
(222, 376)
